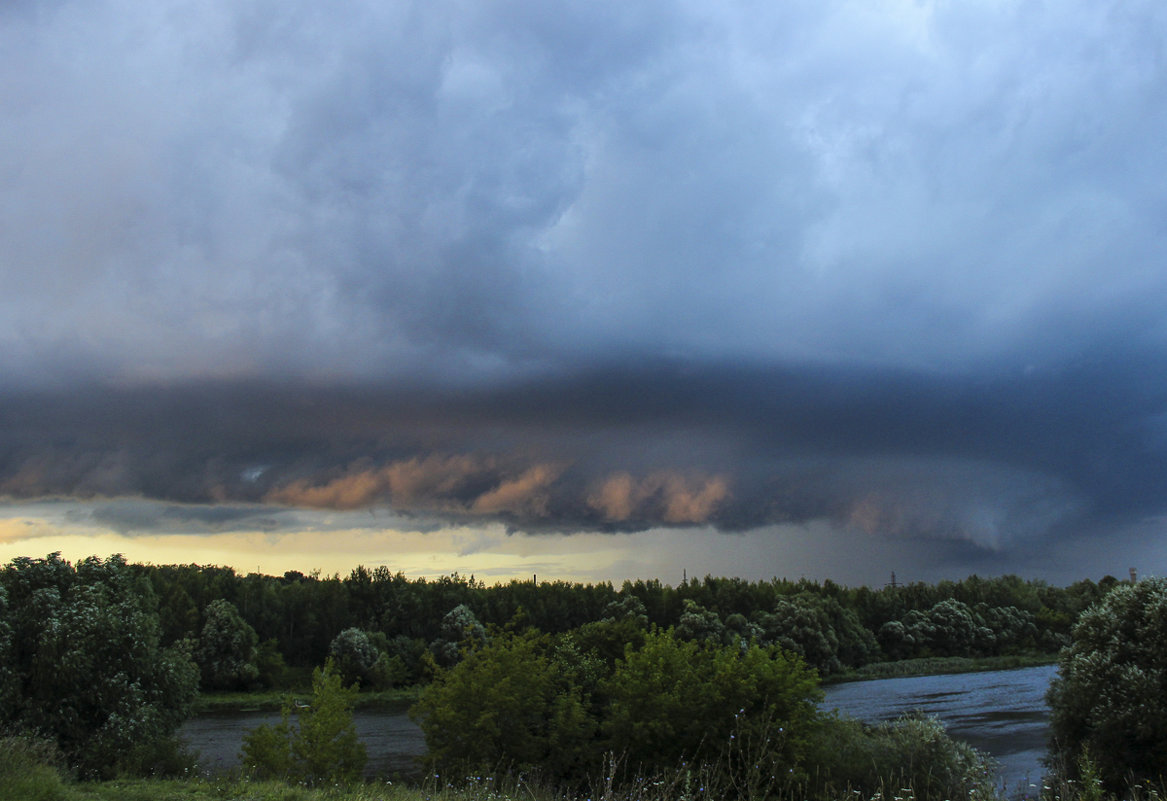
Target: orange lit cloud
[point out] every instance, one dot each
(456, 484)
(527, 494)
(671, 496)
(435, 482)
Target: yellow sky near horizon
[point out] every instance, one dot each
(336, 544)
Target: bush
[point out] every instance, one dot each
(674, 700)
(324, 746)
(556, 705)
(913, 752)
(30, 770)
(508, 704)
(1108, 701)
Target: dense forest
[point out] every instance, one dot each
(296, 618)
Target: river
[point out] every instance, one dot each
(392, 740)
(1000, 712)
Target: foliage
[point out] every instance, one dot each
(226, 652)
(509, 703)
(674, 700)
(1109, 699)
(953, 628)
(304, 613)
(912, 752)
(829, 637)
(84, 666)
(553, 704)
(323, 747)
(30, 769)
(700, 624)
(354, 655)
(270, 666)
(460, 630)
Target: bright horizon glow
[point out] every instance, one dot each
(335, 543)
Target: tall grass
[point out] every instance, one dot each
(31, 770)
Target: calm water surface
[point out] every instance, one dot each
(1001, 712)
(393, 741)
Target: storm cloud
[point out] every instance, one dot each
(591, 266)
(1011, 462)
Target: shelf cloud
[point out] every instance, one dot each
(592, 267)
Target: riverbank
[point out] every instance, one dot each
(273, 700)
(939, 666)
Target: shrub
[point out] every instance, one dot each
(674, 700)
(30, 769)
(509, 703)
(1109, 698)
(913, 752)
(323, 747)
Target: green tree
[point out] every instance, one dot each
(227, 652)
(675, 699)
(354, 655)
(700, 624)
(820, 630)
(1108, 701)
(509, 702)
(84, 666)
(460, 630)
(323, 747)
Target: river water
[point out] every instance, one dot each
(1000, 712)
(392, 740)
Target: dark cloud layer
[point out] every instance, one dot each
(592, 265)
(1000, 462)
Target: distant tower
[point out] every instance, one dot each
(893, 584)
(1134, 576)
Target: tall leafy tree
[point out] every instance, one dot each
(227, 649)
(354, 655)
(84, 666)
(1108, 702)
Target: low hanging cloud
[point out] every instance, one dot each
(526, 495)
(669, 497)
(996, 462)
(538, 495)
(434, 483)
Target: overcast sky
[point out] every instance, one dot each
(599, 289)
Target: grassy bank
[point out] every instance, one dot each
(273, 699)
(934, 666)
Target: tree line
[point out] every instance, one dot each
(270, 623)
